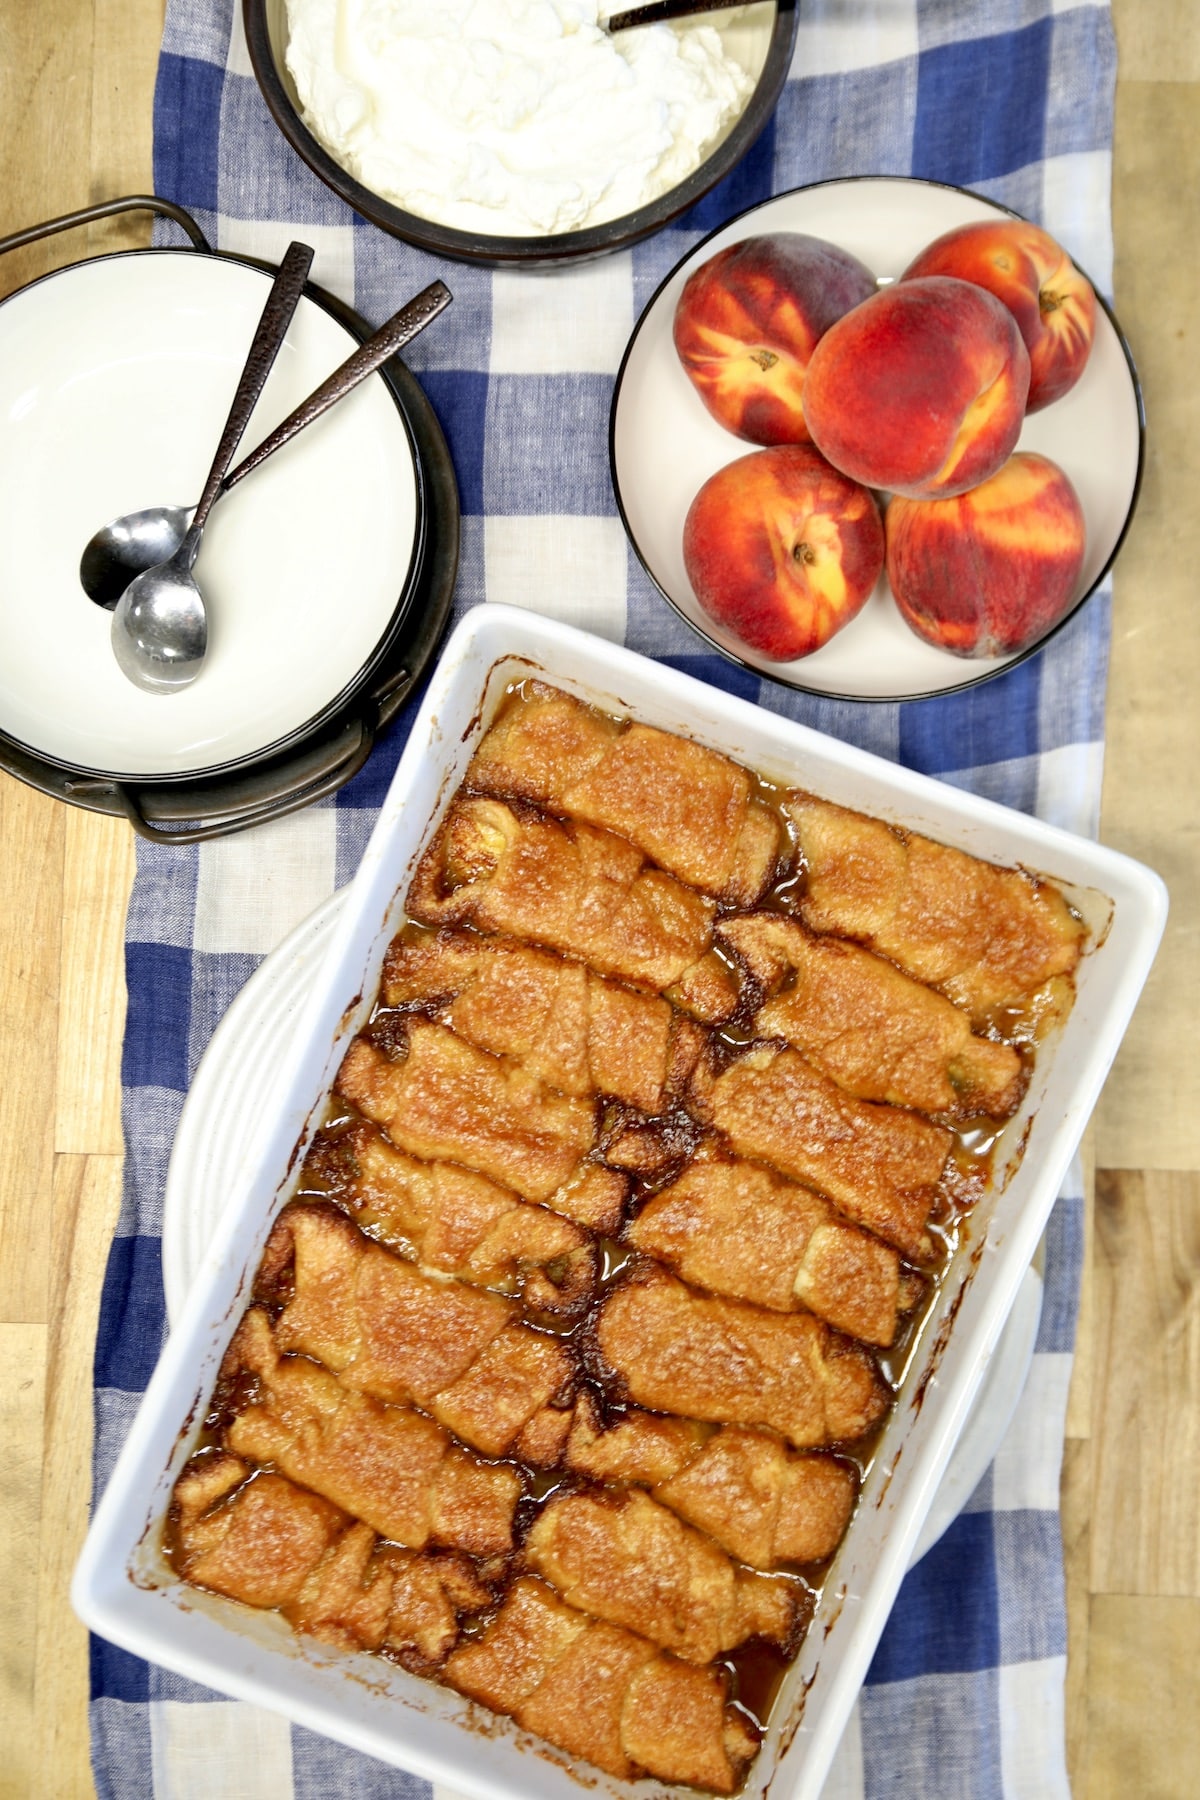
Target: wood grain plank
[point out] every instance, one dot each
(1143, 1721)
(31, 830)
(1146, 1405)
(1076, 1499)
(98, 865)
(1159, 41)
(1149, 1113)
(87, 1198)
(76, 80)
(120, 159)
(99, 850)
(22, 1382)
(1079, 1399)
(46, 103)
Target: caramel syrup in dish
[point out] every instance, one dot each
(560, 1538)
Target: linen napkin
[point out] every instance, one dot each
(1012, 98)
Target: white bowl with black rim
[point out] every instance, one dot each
(327, 575)
(760, 39)
(663, 444)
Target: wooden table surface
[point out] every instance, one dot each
(76, 78)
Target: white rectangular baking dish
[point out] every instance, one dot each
(124, 1589)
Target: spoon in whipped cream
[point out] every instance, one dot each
(661, 11)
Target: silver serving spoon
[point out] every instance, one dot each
(160, 629)
(160, 532)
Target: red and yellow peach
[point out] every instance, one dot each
(989, 572)
(1053, 304)
(920, 390)
(748, 319)
(782, 549)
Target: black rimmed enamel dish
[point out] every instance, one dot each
(664, 445)
(327, 575)
(761, 40)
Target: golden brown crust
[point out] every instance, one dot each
(679, 1352)
(602, 1693)
(878, 1164)
(581, 1702)
(429, 1596)
(594, 1196)
(678, 1725)
(565, 886)
(446, 1101)
(737, 1229)
(384, 1327)
(453, 1221)
(637, 1447)
(370, 1596)
(689, 809)
(624, 1558)
(987, 937)
(764, 1503)
(387, 1465)
(760, 1501)
(543, 1439)
(511, 1381)
(874, 1030)
(270, 1543)
(577, 1031)
(253, 1537)
(511, 1659)
(390, 1331)
(347, 1598)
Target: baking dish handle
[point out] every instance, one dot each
(165, 817)
(106, 209)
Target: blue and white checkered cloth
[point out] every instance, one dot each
(1010, 97)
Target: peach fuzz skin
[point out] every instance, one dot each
(920, 390)
(748, 319)
(782, 550)
(1053, 304)
(990, 572)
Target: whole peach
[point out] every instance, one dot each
(748, 319)
(1053, 304)
(921, 389)
(782, 549)
(990, 572)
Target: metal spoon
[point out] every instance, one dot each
(110, 560)
(159, 629)
(660, 10)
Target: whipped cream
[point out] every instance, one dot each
(509, 117)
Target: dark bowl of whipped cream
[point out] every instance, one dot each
(517, 132)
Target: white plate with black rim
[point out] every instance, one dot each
(664, 445)
(115, 379)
